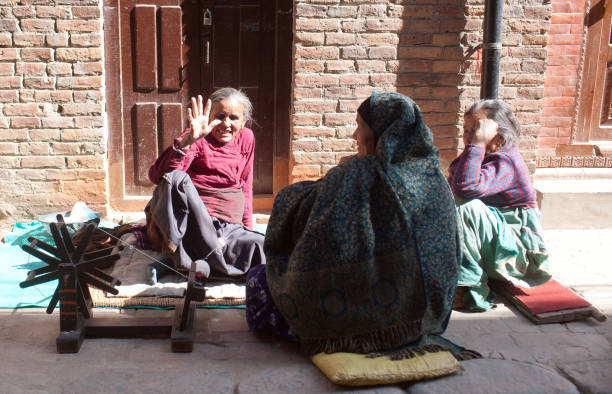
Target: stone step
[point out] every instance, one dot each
(574, 198)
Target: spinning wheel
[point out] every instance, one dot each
(75, 270)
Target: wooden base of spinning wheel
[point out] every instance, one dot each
(75, 270)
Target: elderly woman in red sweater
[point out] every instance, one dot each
(202, 208)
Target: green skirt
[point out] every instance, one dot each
(499, 244)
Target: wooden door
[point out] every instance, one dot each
(160, 53)
(594, 122)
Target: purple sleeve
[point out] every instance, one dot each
(247, 188)
(172, 159)
(471, 177)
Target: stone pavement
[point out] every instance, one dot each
(518, 357)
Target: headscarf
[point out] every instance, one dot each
(366, 259)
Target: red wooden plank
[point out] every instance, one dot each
(171, 123)
(171, 47)
(146, 49)
(145, 140)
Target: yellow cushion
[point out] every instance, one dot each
(351, 369)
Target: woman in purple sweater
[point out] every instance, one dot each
(202, 209)
(497, 205)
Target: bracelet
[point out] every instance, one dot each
(178, 150)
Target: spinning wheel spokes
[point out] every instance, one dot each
(72, 267)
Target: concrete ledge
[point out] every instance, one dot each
(574, 198)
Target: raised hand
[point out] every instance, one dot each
(199, 126)
(481, 133)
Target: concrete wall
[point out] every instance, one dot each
(52, 135)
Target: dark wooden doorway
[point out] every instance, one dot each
(159, 53)
(594, 122)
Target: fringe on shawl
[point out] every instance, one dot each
(376, 341)
(410, 352)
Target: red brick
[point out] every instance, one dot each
(8, 54)
(57, 121)
(23, 110)
(9, 96)
(354, 52)
(88, 96)
(395, 11)
(310, 11)
(57, 40)
(61, 96)
(559, 29)
(306, 171)
(6, 39)
(306, 132)
(88, 121)
(338, 92)
(78, 25)
(536, 39)
(78, 54)
(23, 11)
(377, 39)
(54, 12)
(415, 66)
(565, 39)
(310, 39)
(85, 162)
(7, 68)
(30, 69)
(415, 39)
(559, 18)
(44, 134)
(338, 119)
(309, 66)
(382, 53)
(419, 52)
(383, 79)
(29, 122)
(310, 145)
(43, 162)
(78, 135)
(340, 65)
(354, 79)
(13, 135)
(316, 80)
(86, 12)
(339, 145)
(42, 54)
(38, 25)
(342, 12)
(371, 65)
(353, 26)
(85, 39)
(306, 119)
(79, 82)
(317, 52)
(384, 24)
(314, 158)
(9, 148)
(339, 39)
(441, 66)
(39, 82)
(8, 25)
(316, 106)
(546, 131)
(317, 25)
(28, 39)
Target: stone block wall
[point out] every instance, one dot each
(425, 49)
(52, 135)
(566, 40)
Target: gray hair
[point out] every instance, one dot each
(501, 113)
(234, 94)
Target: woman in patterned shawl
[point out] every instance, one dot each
(365, 259)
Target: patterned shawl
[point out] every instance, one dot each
(366, 259)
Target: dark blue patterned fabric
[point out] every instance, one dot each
(366, 258)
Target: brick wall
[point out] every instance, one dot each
(560, 88)
(424, 49)
(52, 136)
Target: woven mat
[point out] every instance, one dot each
(100, 299)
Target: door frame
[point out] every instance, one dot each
(283, 95)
